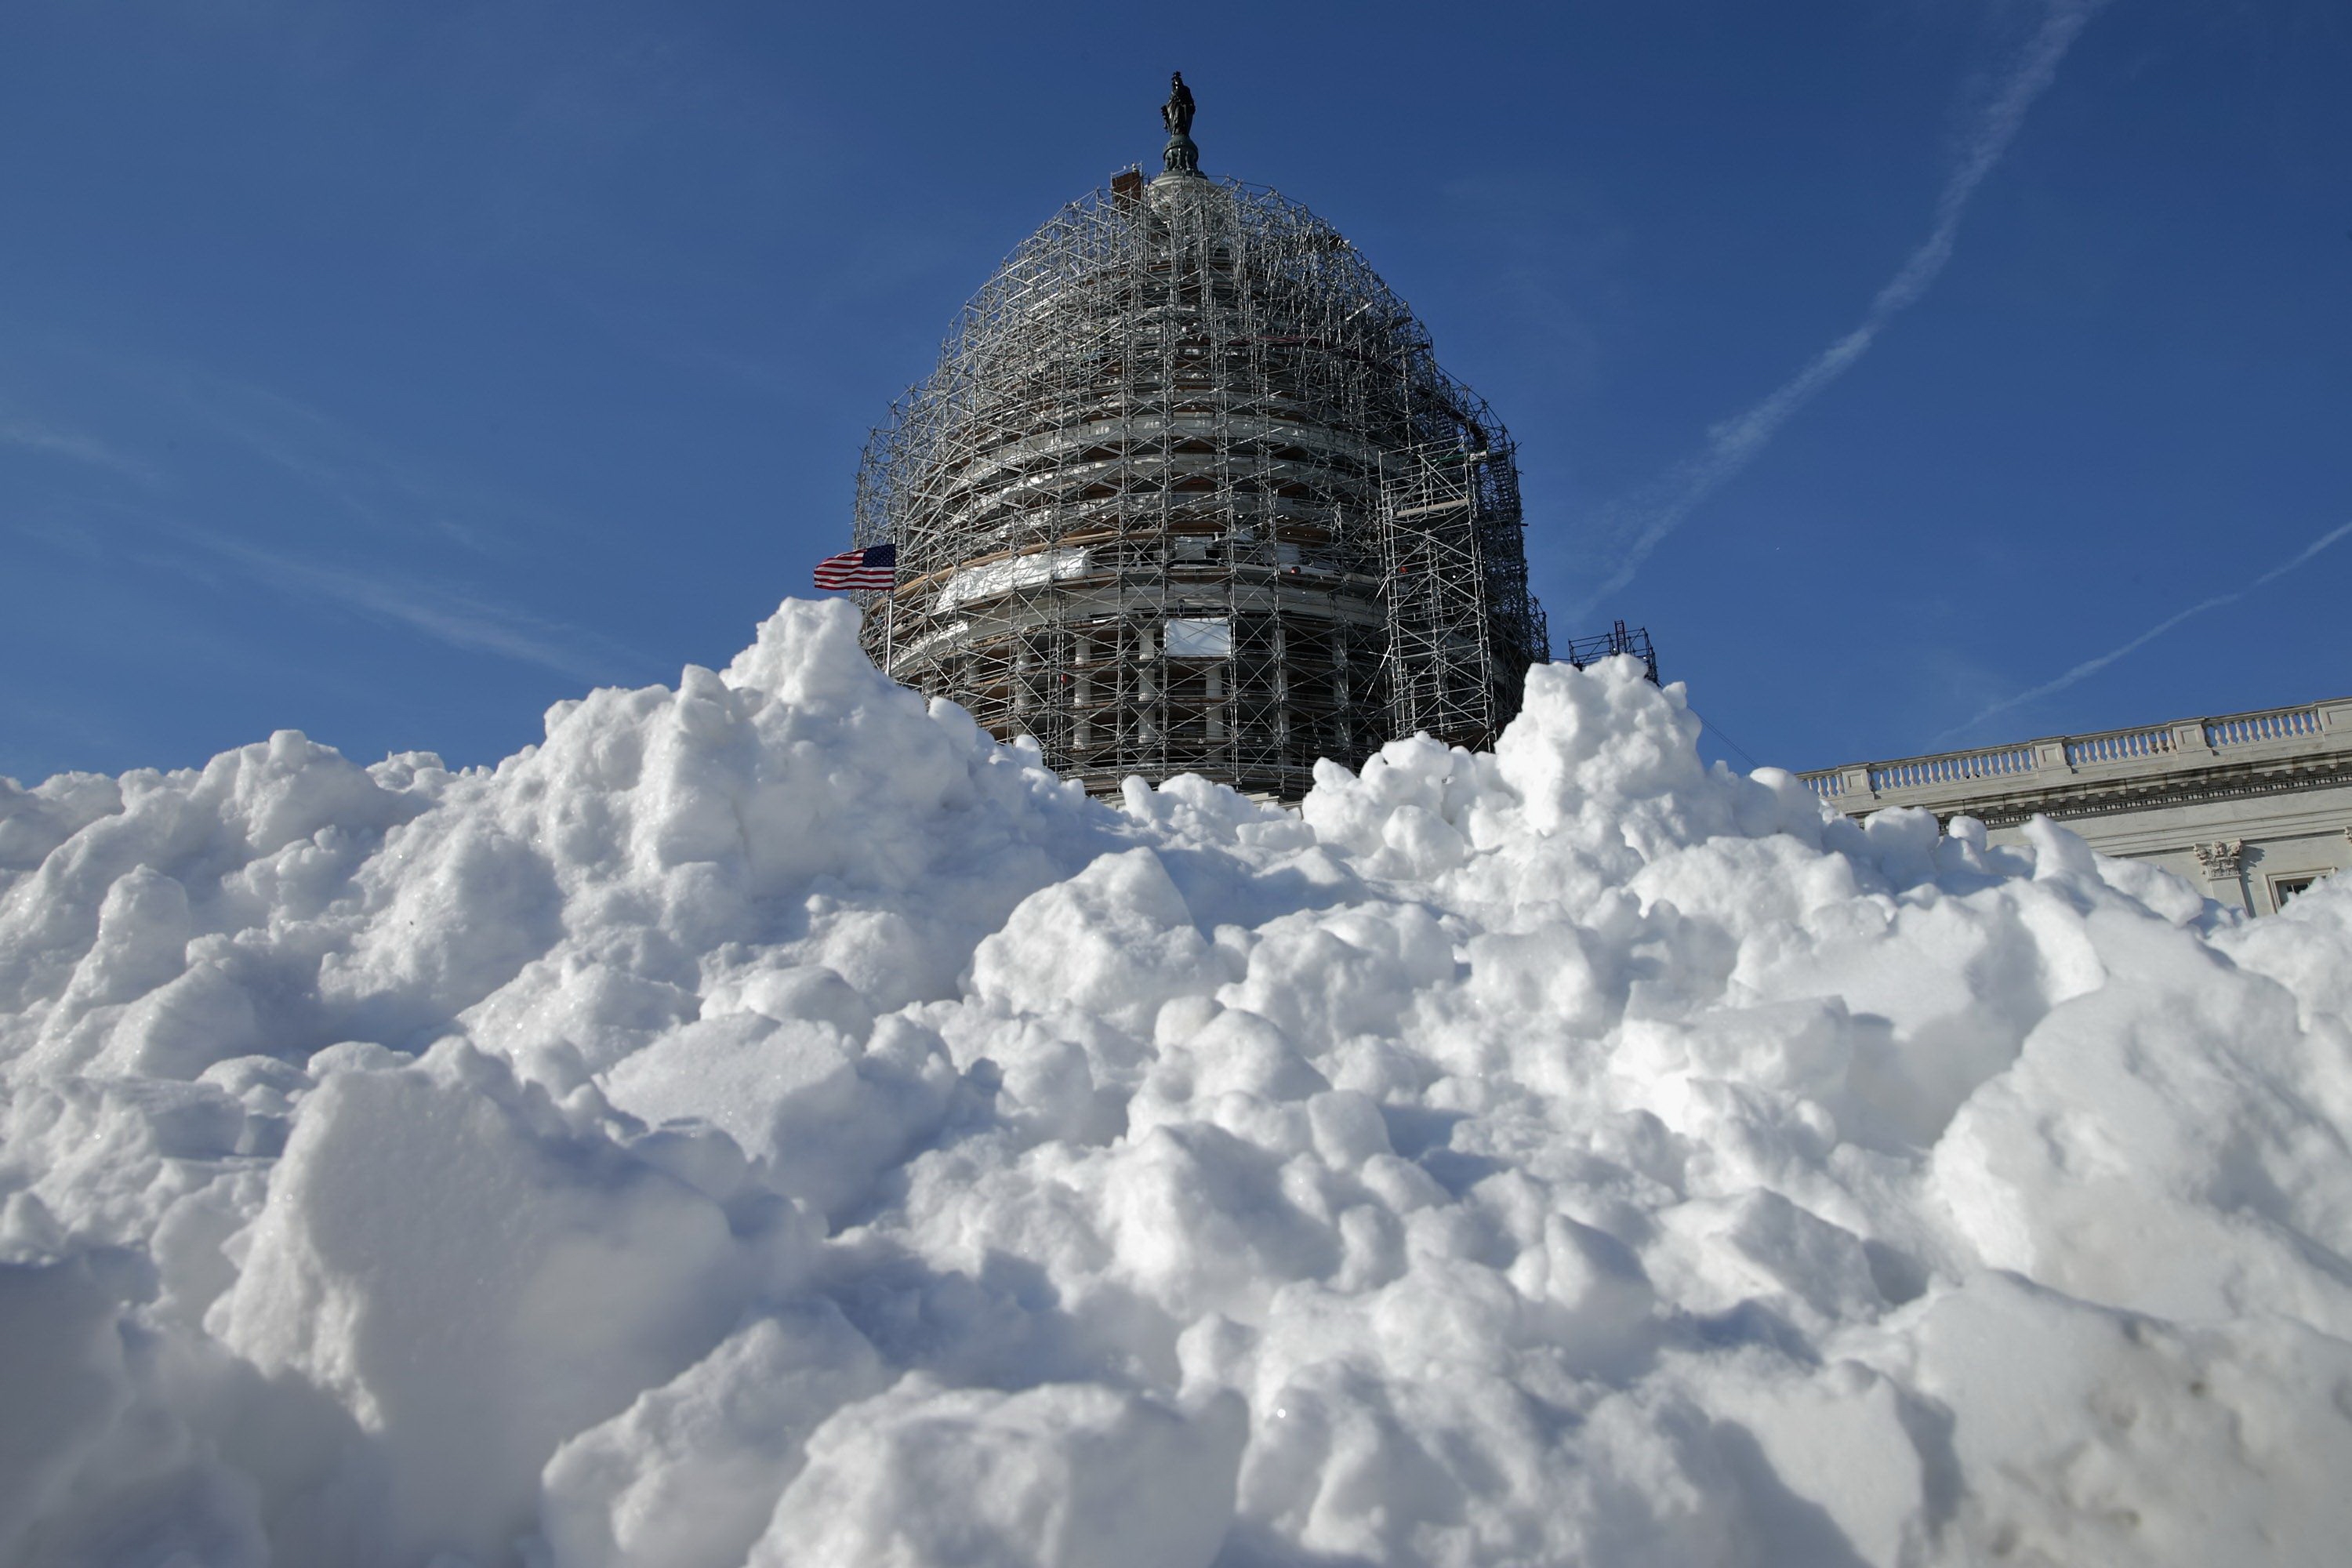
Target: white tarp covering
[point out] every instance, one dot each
(1003, 576)
(1209, 637)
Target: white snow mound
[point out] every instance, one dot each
(770, 1122)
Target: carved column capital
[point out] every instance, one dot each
(2223, 858)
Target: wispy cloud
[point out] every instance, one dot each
(2090, 667)
(1630, 529)
(459, 618)
(75, 445)
(389, 490)
(402, 502)
(369, 480)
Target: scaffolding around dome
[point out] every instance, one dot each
(1188, 493)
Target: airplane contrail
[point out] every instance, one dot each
(2090, 666)
(1641, 524)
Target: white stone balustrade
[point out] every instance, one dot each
(1947, 779)
(2253, 807)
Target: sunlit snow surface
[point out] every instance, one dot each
(771, 1123)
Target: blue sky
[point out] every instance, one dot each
(392, 372)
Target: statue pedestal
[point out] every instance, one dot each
(1181, 157)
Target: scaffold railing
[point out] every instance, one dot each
(1618, 639)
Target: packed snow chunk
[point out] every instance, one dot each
(142, 939)
(293, 788)
(475, 1274)
(689, 1475)
(827, 1114)
(2080, 1434)
(842, 768)
(1116, 940)
(1607, 738)
(1825, 1460)
(183, 1026)
(1059, 1476)
(459, 907)
(61, 1362)
(35, 821)
(2164, 1144)
(98, 1462)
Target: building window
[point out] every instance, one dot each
(2284, 888)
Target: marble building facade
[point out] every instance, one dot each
(2251, 808)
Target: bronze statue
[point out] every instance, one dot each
(1176, 113)
(1180, 157)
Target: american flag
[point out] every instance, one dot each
(875, 566)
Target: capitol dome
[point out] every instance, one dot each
(1189, 493)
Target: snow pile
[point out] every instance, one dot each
(771, 1123)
